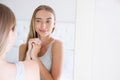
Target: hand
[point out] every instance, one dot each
(28, 54)
(35, 50)
(34, 47)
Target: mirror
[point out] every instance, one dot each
(65, 27)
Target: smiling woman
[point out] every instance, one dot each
(63, 28)
(41, 47)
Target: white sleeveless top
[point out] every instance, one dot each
(46, 59)
(20, 71)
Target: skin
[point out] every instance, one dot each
(31, 67)
(37, 47)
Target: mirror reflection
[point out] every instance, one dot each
(64, 29)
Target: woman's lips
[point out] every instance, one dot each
(43, 31)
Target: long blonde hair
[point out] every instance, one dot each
(32, 32)
(7, 20)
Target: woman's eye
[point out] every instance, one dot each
(37, 20)
(49, 21)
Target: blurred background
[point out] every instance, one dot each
(65, 27)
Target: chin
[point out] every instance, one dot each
(44, 35)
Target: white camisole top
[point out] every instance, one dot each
(47, 57)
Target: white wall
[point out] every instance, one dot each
(97, 47)
(106, 59)
(65, 29)
(84, 39)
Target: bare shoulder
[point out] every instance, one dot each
(22, 49)
(32, 70)
(57, 47)
(30, 64)
(22, 46)
(57, 43)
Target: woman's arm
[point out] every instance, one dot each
(45, 75)
(22, 52)
(57, 51)
(31, 70)
(23, 55)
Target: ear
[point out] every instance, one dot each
(53, 29)
(54, 23)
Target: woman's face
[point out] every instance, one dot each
(44, 23)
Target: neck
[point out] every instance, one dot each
(44, 39)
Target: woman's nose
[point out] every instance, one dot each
(43, 25)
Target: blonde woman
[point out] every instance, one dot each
(50, 54)
(27, 70)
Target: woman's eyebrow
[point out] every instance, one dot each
(49, 18)
(38, 18)
(46, 18)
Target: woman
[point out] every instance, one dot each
(49, 55)
(27, 70)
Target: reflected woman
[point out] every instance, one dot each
(49, 54)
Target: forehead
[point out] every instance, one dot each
(44, 14)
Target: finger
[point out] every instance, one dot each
(35, 40)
